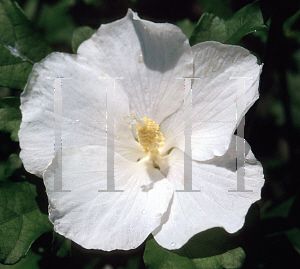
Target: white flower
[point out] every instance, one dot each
(149, 56)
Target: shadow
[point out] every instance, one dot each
(269, 244)
(217, 240)
(160, 54)
(81, 258)
(161, 165)
(21, 175)
(229, 160)
(164, 218)
(277, 224)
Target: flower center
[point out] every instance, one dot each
(147, 133)
(149, 136)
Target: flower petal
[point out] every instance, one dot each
(192, 212)
(106, 220)
(215, 95)
(215, 116)
(149, 56)
(83, 111)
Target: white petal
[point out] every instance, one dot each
(149, 56)
(214, 98)
(106, 220)
(192, 212)
(83, 111)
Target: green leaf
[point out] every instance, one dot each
(10, 116)
(208, 243)
(3, 166)
(134, 263)
(211, 28)
(13, 163)
(186, 26)
(20, 46)
(289, 28)
(157, 257)
(220, 8)
(57, 22)
(29, 262)
(95, 3)
(61, 246)
(22, 221)
(232, 259)
(281, 210)
(81, 34)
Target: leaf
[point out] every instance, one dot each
(22, 221)
(95, 3)
(220, 8)
(157, 257)
(57, 22)
(29, 262)
(211, 242)
(186, 26)
(231, 259)
(21, 45)
(61, 246)
(13, 163)
(81, 34)
(281, 210)
(211, 28)
(10, 116)
(134, 263)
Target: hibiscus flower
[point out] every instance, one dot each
(121, 160)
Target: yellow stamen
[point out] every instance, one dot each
(149, 137)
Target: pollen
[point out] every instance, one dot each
(149, 136)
